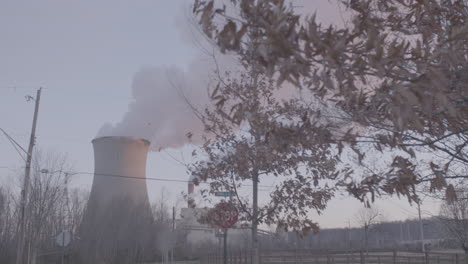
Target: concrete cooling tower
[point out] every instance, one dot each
(118, 215)
(119, 170)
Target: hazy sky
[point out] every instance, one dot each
(84, 53)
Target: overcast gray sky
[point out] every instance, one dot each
(84, 53)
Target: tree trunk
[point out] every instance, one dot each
(255, 250)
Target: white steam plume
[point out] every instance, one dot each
(161, 109)
(164, 97)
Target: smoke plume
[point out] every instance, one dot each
(164, 98)
(162, 107)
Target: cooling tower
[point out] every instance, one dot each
(119, 170)
(118, 214)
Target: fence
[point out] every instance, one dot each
(176, 262)
(356, 257)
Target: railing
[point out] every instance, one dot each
(356, 257)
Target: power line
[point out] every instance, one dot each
(126, 176)
(21, 87)
(15, 144)
(133, 177)
(13, 140)
(77, 140)
(139, 178)
(413, 214)
(71, 173)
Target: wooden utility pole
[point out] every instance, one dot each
(173, 233)
(24, 192)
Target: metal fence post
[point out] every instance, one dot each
(361, 255)
(394, 257)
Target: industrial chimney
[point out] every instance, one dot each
(118, 215)
(190, 196)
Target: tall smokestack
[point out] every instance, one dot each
(190, 198)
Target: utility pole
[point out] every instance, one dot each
(173, 233)
(225, 246)
(225, 233)
(24, 192)
(63, 218)
(421, 228)
(349, 234)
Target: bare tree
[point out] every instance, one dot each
(454, 219)
(50, 209)
(161, 208)
(45, 204)
(8, 222)
(166, 238)
(367, 218)
(75, 207)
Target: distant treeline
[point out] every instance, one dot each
(390, 235)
